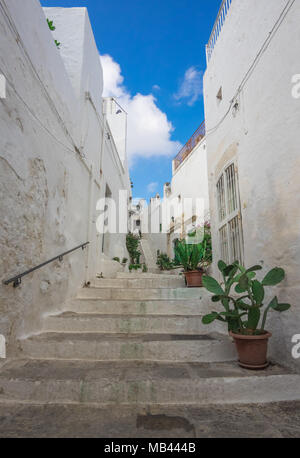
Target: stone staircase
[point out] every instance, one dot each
(148, 254)
(137, 341)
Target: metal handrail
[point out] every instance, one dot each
(17, 279)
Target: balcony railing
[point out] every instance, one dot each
(224, 8)
(189, 146)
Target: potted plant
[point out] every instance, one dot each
(245, 312)
(135, 267)
(124, 262)
(190, 256)
(164, 262)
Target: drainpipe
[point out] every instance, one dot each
(89, 228)
(103, 139)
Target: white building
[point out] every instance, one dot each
(185, 203)
(253, 138)
(187, 194)
(136, 216)
(60, 153)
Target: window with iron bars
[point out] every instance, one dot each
(230, 225)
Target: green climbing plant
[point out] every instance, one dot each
(52, 28)
(132, 243)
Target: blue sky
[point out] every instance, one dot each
(154, 59)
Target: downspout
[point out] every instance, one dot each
(89, 229)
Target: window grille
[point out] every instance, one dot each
(230, 227)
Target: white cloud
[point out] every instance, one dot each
(191, 87)
(149, 131)
(152, 187)
(156, 87)
(113, 79)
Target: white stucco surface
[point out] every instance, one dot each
(55, 162)
(189, 181)
(262, 134)
(190, 178)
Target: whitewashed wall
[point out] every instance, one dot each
(263, 136)
(190, 178)
(190, 181)
(51, 144)
(157, 237)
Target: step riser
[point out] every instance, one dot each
(143, 294)
(190, 307)
(159, 325)
(181, 351)
(183, 391)
(141, 283)
(140, 275)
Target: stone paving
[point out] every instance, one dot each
(131, 358)
(276, 420)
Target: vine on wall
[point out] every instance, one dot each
(52, 28)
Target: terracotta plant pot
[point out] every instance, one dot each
(252, 350)
(193, 278)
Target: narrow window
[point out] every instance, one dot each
(230, 227)
(221, 199)
(220, 95)
(224, 244)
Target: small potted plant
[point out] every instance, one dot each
(245, 312)
(164, 262)
(135, 267)
(190, 256)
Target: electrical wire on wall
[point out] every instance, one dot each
(19, 41)
(249, 72)
(10, 84)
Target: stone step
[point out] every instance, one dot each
(139, 383)
(159, 324)
(148, 254)
(146, 307)
(143, 293)
(82, 420)
(161, 282)
(149, 275)
(145, 347)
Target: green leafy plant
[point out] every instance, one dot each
(164, 262)
(124, 261)
(145, 268)
(135, 267)
(245, 312)
(52, 28)
(51, 25)
(132, 243)
(190, 256)
(116, 259)
(207, 259)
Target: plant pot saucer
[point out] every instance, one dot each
(254, 367)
